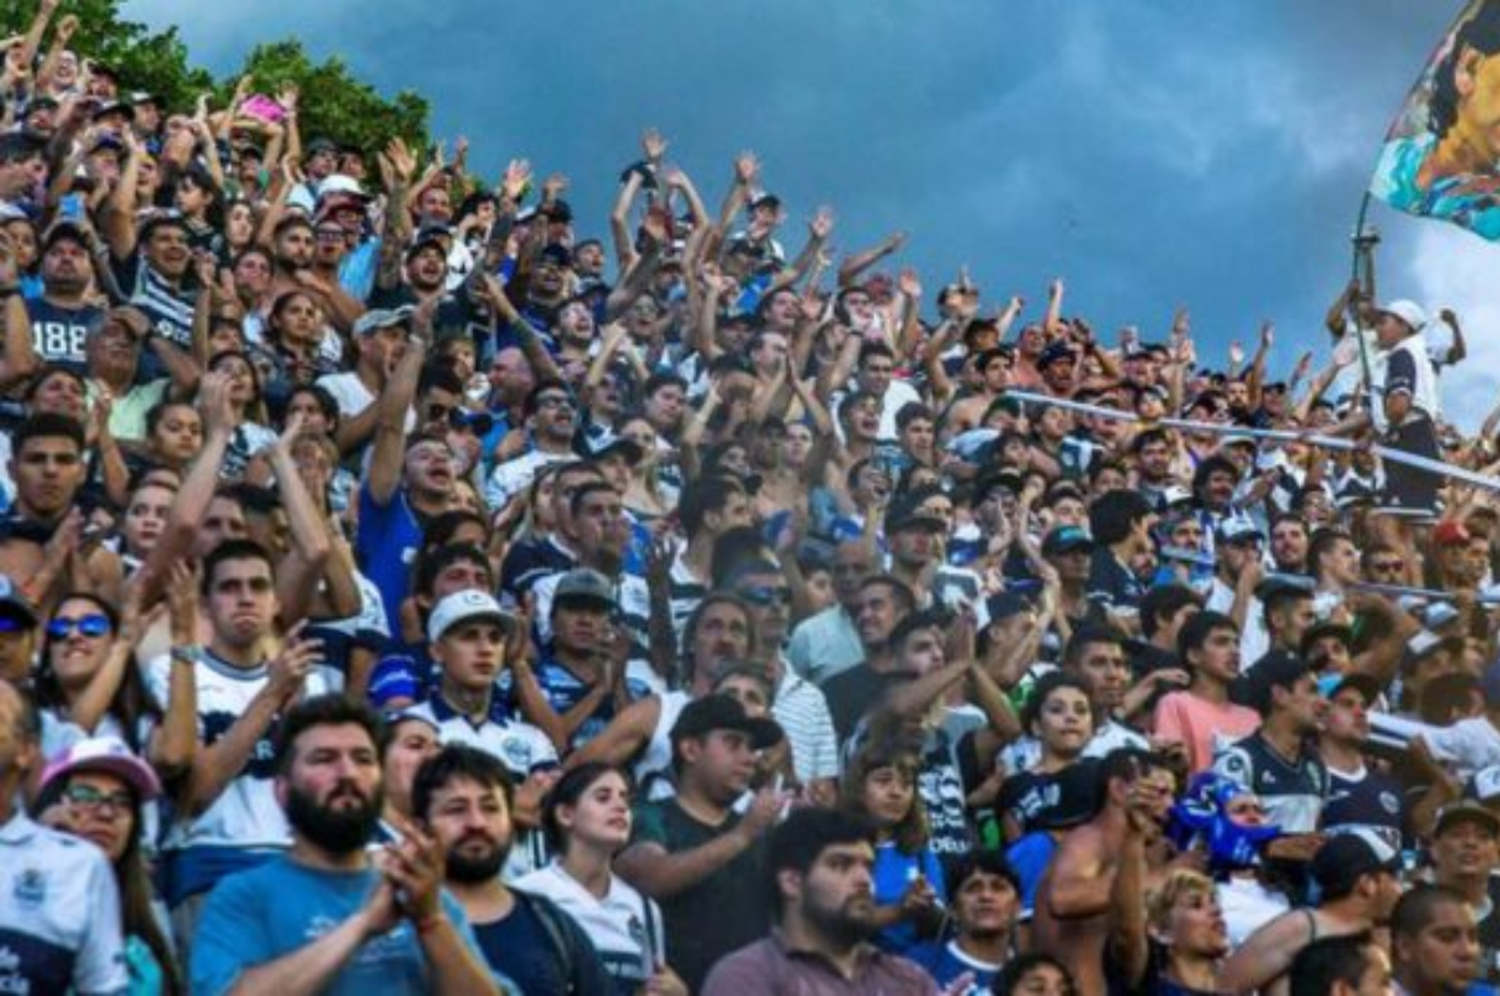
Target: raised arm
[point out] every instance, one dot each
(394, 402)
(853, 266)
(118, 221)
(217, 764)
(197, 490)
(746, 172)
(176, 738)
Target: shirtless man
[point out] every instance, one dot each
(993, 367)
(1077, 902)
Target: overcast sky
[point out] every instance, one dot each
(1152, 152)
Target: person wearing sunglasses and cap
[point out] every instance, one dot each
(18, 621)
(97, 790)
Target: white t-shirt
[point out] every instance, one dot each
(625, 926)
(246, 814)
(60, 926)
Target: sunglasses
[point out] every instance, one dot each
(91, 798)
(90, 625)
(766, 595)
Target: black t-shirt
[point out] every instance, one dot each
(726, 911)
(60, 335)
(852, 693)
(1111, 585)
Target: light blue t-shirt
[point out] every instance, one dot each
(261, 915)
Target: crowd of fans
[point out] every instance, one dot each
(405, 590)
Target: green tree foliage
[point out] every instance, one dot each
(333, 103)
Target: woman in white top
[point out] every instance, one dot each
(587, 820)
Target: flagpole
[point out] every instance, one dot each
(1361, 249)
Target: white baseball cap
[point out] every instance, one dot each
(461, 607)
(1409, 312)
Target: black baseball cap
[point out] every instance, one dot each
(722, 712)
(1350, 854)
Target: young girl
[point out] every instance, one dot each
(251, 437)
(587, 819)
(1059, 715)
(880, 784)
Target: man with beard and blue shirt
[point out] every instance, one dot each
(330, 916)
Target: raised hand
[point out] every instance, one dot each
(415, 866)
(1267, 334)
(1304, 365)
(1236, 353)
(746, 168)
(214, 403)
(403, 164)
(653, 146)
(516, 179)
(909, 283)
(289, 669)
(553, 186)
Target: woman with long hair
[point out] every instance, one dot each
(587, 819)
(86, 684)
(97, 790)
(294, 338)
(250, 437)
(644, 496)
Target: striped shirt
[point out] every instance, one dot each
(803, 714)
(686, 594)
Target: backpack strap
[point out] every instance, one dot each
(551, 918)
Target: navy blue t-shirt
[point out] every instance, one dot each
(521, 948)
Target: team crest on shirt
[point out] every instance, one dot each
(637, 931)
(1390, 803)
(30, 890)
(517, 753)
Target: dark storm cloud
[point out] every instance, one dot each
(1151, 152)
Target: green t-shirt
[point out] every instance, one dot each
(724, 912)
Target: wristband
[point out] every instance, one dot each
(430, 924)
(185, 654)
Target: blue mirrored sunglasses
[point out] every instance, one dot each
(91, 625)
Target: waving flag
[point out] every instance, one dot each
(1442, 154)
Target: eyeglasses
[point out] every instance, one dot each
(766, 595)
(88, 797)
(91, 625)
(554, 401)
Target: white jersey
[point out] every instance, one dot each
(510, 478)
(60, 925)
(655, 763)
(246, 814)
(626, 927)
(521, 747)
